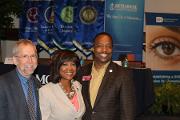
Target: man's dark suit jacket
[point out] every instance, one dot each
(115, 99)
(13, 104)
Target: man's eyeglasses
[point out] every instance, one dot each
(26, 57)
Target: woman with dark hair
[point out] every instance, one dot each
(61, 99)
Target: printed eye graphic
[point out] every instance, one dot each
(166, 47)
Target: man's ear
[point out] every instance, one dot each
(14, 60)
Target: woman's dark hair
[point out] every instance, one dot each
(58, 59)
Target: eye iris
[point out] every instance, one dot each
(168, 48)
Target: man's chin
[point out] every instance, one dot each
(29, 72)
(104, 61)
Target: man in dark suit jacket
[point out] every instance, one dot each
(107, 88)
(14, 88)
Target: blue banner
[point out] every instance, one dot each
(76, 23)
(68, 24)
(36, 24)
(45, 21)
(124, 21)
(89, 21)
(64, 23)
(29, 20)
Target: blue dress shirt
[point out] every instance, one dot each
(24, 84)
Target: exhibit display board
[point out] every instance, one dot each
(124, 20)
(163, 46)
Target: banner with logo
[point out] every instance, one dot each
(68, 24)
(29, 20)
(36, 23)
(76, 24)
(124, 21)
(162, 53)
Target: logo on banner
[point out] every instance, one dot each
(32, 14)
(43, 79)
(67, 14)
(88, 15)
(159, 19)
(49, 15)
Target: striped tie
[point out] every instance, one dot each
(30, 100)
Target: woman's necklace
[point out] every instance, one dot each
(70, 94)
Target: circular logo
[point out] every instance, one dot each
(32, 14)
(49, 15)
(88, 15)
(67, 14)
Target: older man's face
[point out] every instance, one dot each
(26, 60)
(103, 49)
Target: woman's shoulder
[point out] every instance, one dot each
(77, 84)
(47, 86)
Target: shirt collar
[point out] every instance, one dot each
(22, 78)
(103, 67)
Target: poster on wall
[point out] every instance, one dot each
(124, 21)
(162, 53)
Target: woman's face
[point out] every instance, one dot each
(67, 70)
(162, 48)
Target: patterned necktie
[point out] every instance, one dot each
(30, 100)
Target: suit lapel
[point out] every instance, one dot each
(104, 83)
(18, 95)
(86, 84)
